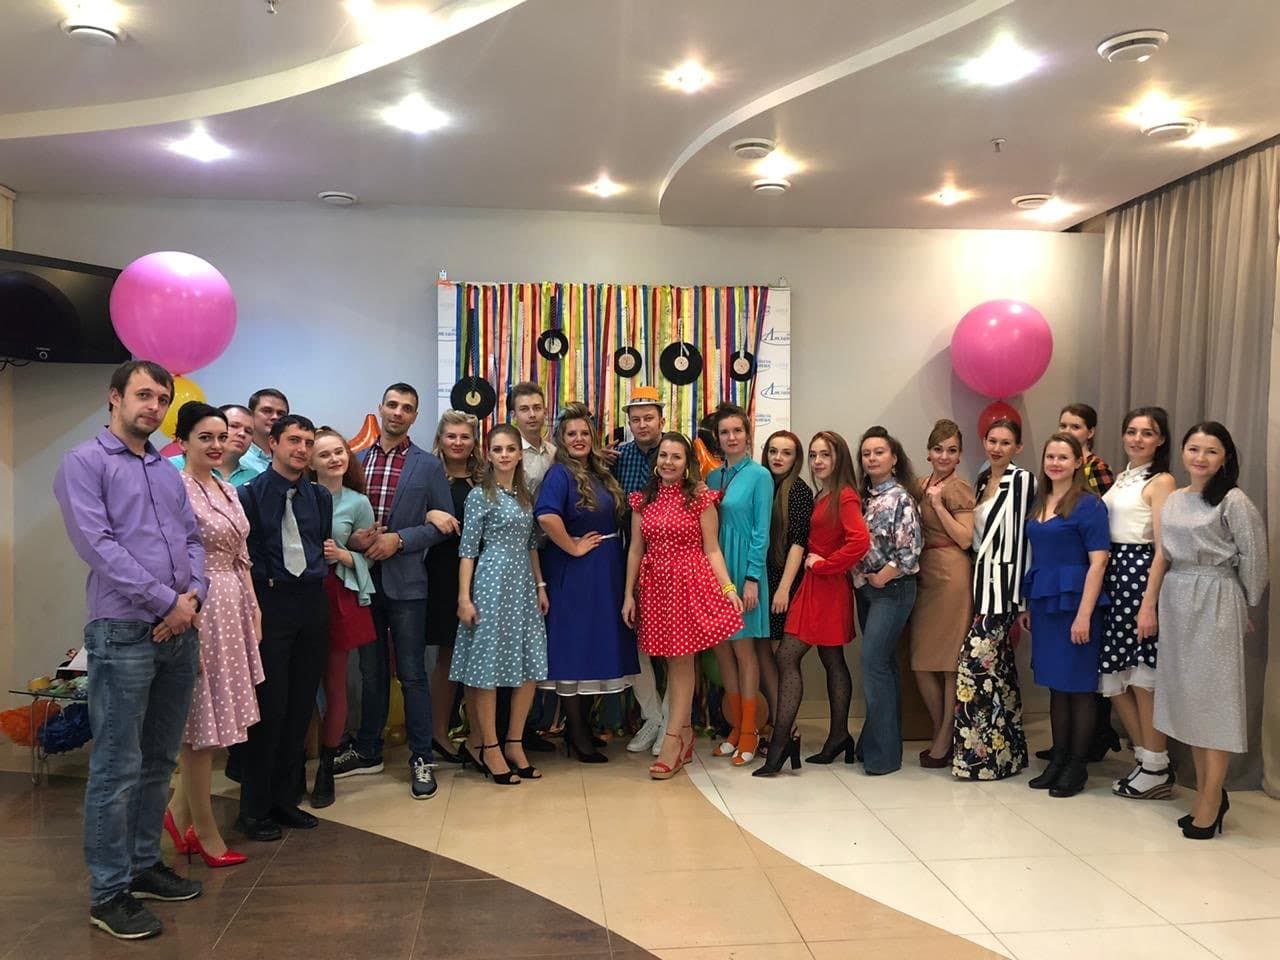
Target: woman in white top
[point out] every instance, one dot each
(1127, 659)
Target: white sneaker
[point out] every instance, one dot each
(646, 736)
(662, 732)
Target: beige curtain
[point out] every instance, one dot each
(1189, 308)
(6, 218)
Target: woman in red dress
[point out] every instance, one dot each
(821, 614)
(687, 602)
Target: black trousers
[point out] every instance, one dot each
(295, 643)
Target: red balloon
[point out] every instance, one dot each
(171, 449)
(996, 411)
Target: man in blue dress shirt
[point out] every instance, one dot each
(266, 406)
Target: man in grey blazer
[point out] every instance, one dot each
(405, 484)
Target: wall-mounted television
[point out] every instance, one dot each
(56, 311)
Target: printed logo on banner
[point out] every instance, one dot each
(776, 391)
(442, 392)
(775, 336)
(763, 419)
(763, 365)
(448, 335)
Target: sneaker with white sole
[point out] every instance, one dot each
(159, 882)
(423, 784)
(349, 763)
(125, 918)
(646, 736)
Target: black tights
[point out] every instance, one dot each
(1071, 718)
(791, 690)
(577, 725)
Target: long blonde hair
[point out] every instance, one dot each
(457, 418)
(594, 469)
(489, 480)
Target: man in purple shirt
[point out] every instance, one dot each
(127, 515)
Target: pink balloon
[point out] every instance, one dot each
(1001, 347)
(175, 309)
(171, 449)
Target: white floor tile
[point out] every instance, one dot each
(812, 789)
(967, 832)
(1240, 940)
(914, 786)
(911, 889)
(991, 942)
(1097, 824)
(819, 837)
(1195, 885)
(1165, 942)
(1031, 894)
(1264, 858)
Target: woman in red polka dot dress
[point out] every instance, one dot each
(687, 602)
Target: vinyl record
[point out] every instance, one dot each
(627, 361)
(553, 344)
(681, 363)
(742, 365)
(473, 395)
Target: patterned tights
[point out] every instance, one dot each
(791, 690)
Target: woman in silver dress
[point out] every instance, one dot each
(1211, 565)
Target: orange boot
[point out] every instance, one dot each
(732, 709)
(749, 737)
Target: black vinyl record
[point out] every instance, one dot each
(742, 365)
(681, 363)
(473, 395)
(627, 361)
(553, 344)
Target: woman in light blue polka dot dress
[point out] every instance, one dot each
(502, 638)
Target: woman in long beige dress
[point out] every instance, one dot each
(944, 598)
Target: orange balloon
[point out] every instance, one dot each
(706, 462)
(367, 435)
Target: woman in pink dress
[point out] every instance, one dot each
(687, 601)
(223, 705)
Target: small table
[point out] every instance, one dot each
(40, 759)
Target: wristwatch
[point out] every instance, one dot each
(400, 549)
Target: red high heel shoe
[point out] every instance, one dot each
(180, 845)
(229, 859)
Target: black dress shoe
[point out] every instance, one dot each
(538, 743)
(294, 817)
(262, 829)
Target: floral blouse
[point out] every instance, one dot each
(893, 518)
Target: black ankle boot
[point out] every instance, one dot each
(322, 792)
(1057, 763)
(1072, 779)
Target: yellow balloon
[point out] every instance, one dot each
(184, 391)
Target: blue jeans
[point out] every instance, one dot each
(882, 614)
(139, 693)
(404, 622)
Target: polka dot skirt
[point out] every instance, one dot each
(1125, 583)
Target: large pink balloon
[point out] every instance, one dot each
(175, 309)
(1001, 347)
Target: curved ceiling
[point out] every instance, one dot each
(544, 96)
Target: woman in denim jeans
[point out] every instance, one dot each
(886, 584)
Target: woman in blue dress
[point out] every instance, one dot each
(589, 649)
(502, 640)
(746, 508)
(1070, 542)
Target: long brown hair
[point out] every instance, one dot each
(902, 470)
(489, 481)
(458, 418)
(842, 474)
(1044, 487)
(594, 468)
(353, 479)
(688, 484)
(779, 518)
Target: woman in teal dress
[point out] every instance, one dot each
(746, 507)
(502, 639)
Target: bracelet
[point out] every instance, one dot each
(542, 583)
(728, 588)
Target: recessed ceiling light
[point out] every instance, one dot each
(1156, 108)
(1004, 62)
(1031, 201)
(753, 148)
(950, 195)
(1136, 46)
(604, 187)
(771, 185)
(95, 22)
(200, 146)
(415, 115)
(1053, 210)
(689, 77)
(1177, 128)
(337, 198)
(777, 165)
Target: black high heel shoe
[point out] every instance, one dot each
(524, 773)
(508, 779)
(824, 756)
(442, 751)
(469, 759)
(571, 750)
(1192, 832)
(773, 765)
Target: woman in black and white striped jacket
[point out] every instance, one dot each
(989, 741)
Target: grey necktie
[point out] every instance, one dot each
(295, 558)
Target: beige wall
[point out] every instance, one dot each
(336, 304)
(8, 638)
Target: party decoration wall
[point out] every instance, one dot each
(580, 341)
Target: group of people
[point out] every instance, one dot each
(528, 573)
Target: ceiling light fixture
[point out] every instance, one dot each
(950, 195)
(415, 115)
(95, 22)
(200, 146)
(604, 187)
(753, 148)
(689, 77)
(777, 165)
(1031, 201)
(1053, 210)
(1136, 46)
(1177, 128)
(338, 198)
(771, 186)
(1004, 62)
